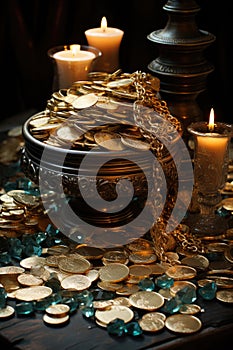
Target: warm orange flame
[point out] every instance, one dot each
(211, 120)
(104, 24)
(75, 49)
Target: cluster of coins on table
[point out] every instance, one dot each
(121, 271)
(97, 112)
(22, 213)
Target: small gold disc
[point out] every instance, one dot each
(55, 320)
(139, 271)
(198, 262)
(33, 293)
(151, 325)
(6, 312)
(76, 282)
(74, 265)
(31, 261)
(185, 324)
(178, 285)
(181, 272)
(114, 272)
(154, 316)
(225, 295)
(11, 270)
(190, 309)
(58, 310)
(113, 312)
(146, 300)
(26, 279)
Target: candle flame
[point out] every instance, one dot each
(75, 49)
(104, 24)
(211, 120)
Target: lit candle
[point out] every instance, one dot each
(72, 64)
(108, 41)
(211, 152)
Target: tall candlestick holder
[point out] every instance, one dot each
(211, 155)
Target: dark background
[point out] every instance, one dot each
(28, 28)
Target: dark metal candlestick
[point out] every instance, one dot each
(181, 67)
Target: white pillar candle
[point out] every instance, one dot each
(107, 40)
(72, 64)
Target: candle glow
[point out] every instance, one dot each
(103, 24)
(211, 120)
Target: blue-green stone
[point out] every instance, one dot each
(23, 183)
(87, 311)
(40, 237)
(187, 295)
(116, 327)
(146, 284)
(4, 244)
(3, 298)
(32, 249)
(25, 308)
(56, 298)
(133, 328)
(71, 302)
(171, 306)
(208, 292)
(51, 230)
(164, 281)
(103, 295)
(8, 186)
(5, 258)
(223, 212)
(15, 248)
(41, 305)
(84, 298)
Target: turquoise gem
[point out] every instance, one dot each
(8, 186)
(208, 292)
(171, 306)
(84, 298)
(56, 298)
(23, 183)
(40, 237)
(223, 212)
(51, 230)
(103, 295)
(187, 295)
(41, 305)
(4, 245)
(72, 303)
(15, 248)
(5, 258)
(133, 328)
(3, 298)
(116, 327)
(24, 308)
(87, 311)
(164, 281)
(33, 249)
(146, 284)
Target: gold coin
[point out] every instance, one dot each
(35, 123)
(217, 247)
(27, 279)
(26, 199)
(227, 203)
(109, 286)
(142, 257)
(113, 312)
(74, 265)
(146, 300)
(6, 312)
(198, 261)
(67, 133)
(225, 295)
(57, 310)
(33, 293)
(11, 270)
(6, 198)
(121, 301)
(181, 272)
(102, 304)
(140, 244)
(185, 324)
(228, 253)
(190, 309)
(32, 261)
(127, 289)
(109, 140)
(157, 269)
(88, 252)
(58, 249)
(115, 256)
(141, 271)
(85, 101)
(136, 144)
(178, 285)
(55, 320)
(92, 274)
(166, 293)
(154, 316)
(76, 282)
(151, 325)
(113, 272)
